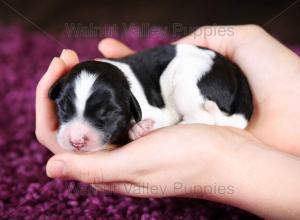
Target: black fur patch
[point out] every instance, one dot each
(226, 85)
(148, 66)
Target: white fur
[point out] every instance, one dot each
(83, 89)
(179, 85)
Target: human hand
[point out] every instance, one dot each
(153, 159)
(167, 162)
(226, 165)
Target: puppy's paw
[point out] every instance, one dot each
(140, 129)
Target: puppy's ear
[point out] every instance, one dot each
(55, 90)
(135, 108)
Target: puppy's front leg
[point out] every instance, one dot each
(141, 129)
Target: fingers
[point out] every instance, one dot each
(46, 119)
(70, 58)
(112, 48)
(45, 109)
(193, 39)
(100, 167)
(57, 68)
(54, 72)
(208, 36)
(223, 39)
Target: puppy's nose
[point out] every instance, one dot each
(79, 143)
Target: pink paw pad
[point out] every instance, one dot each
(140, 129)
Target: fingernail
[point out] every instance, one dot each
(56, 169)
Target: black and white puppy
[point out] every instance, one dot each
(112, 101)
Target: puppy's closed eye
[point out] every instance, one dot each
(67, 109)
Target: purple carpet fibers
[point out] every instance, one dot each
(25, 191)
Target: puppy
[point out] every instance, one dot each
(114, 101)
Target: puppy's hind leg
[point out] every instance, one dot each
(235, 120)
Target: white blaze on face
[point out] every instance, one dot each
(78, 134)
(83, 89)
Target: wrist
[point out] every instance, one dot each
(252, 176)
(261, 177)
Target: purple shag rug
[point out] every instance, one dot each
(25, 190)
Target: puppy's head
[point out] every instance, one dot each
(95, 107)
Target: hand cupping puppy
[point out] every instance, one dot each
(202, 154)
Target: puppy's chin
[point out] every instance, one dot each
(64, 144)
(70, 137)
(83, 150)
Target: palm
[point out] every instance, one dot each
(275, 90)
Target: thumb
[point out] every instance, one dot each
(70, 58)
(112, 48)
(223, 39)
(100, 167)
